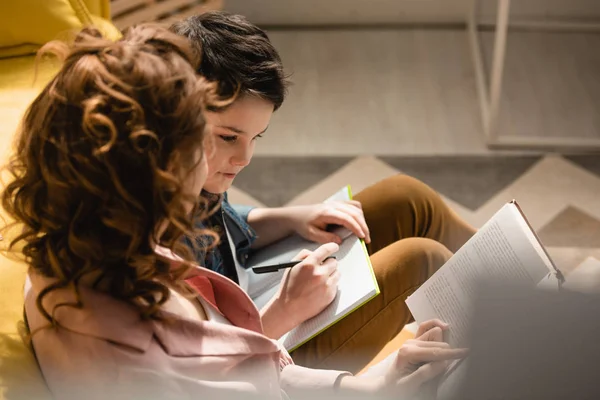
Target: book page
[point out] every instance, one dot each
(501, 249)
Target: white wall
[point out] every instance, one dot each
(316, 12)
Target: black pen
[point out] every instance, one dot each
(276, 267)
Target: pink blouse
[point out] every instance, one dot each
(106, 351)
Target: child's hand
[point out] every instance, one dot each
(311, 222)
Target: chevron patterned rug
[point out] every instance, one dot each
(559, 194)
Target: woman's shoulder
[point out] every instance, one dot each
(106, 344)
(74, 365)
(81, 316)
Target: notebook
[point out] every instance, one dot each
(356, 287)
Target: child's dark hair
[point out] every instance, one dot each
(237, 54)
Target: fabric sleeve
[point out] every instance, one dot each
(242, 210)
(306, 383)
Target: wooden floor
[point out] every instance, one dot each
(412, 92)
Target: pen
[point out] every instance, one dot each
(276, 267)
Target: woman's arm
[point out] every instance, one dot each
(415, 364)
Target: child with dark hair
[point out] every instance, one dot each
(410, 232)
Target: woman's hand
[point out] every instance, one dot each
(420, 360)
(311, 221)
(426, 330)
(416, 363)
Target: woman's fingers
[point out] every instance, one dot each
(429, 344)
(432, 335)
(432, 323)
(425, 373)
(420, 354)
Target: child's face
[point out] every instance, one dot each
(235, 132)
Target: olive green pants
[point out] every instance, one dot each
(413, 233)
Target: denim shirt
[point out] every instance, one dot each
(219, 259)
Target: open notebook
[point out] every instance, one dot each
(357, 283)
(505, 249)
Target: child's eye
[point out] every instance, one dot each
(228, 138)
(257, 136)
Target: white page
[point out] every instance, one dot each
(501, 249)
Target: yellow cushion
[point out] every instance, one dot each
(20, 377)
(25, 25)
(101, 8)
(106, 27)
(18, 90)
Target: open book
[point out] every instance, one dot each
(357, 283)
(505, 248)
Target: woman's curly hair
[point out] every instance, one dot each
(100, 162)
